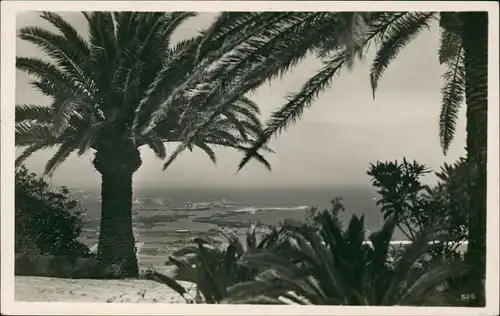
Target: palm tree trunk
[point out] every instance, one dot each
(116, 237)
(475, 42)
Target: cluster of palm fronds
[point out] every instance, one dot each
(127, 71)
(260, 46)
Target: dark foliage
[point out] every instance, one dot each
(47, 225)
(327, 265)
(47, 222)
(33, 264)
(416, 206)
(214, 268)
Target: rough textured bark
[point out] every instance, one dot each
(475, 41)
(116, 238)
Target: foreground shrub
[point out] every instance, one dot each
(416, 206)
(214, 268)
(30, 264)
(46, 222)
(329, 266)
(47, 225)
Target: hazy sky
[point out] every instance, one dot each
(334, 143)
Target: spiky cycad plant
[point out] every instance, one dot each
(330, 266)
(97, 89)
(214, 268)
(275, 41)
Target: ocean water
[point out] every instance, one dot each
(159, 230)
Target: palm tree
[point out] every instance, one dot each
(97, 89)
(275, 41)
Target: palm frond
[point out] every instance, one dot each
(250, 105)
(28, 132)
(177, 18)
(69, 32)
(103, 49)
(413, 252)
(450, 42)
(449, 46)
(199, 69)
(209, 151)
(124, 27)
(65, 55)
(292, 111)
(400, 34)
(90, 137)
(30, 112)
(60, 156)
(164, 279)
(453, 93)
(157, 146)
(47, 72)
(70, 108)
(227, 24)
(159, 84)
(355, 28)
(419, 290)
(34, 147)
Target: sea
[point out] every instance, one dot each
(161, 227)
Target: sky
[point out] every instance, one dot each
(332, 145)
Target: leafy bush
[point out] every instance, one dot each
(416, 206)
(31, 264)
(46, 222)
(47, 225)
(400, 189)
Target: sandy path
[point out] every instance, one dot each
(41, 289)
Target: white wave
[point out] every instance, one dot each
(138, 246)
(253, 210)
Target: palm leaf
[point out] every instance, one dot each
(215, 55)
(90, 137)
(355, 27)
(70, 108)
(30, 112)
(412, 253)
(157, 146)
(28, 132)
(209, 151)
(450, 39)
(69, 32)
(418, 291)
(103, 50)
(177, 18)
(164, 279)
(60, 156)
(450, 46)
(49, 73)
(292, 111)
(34, 147)
(400, 34)
(453, 92)
(65, 54)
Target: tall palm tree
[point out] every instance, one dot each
(275, 41)
(98, 87)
